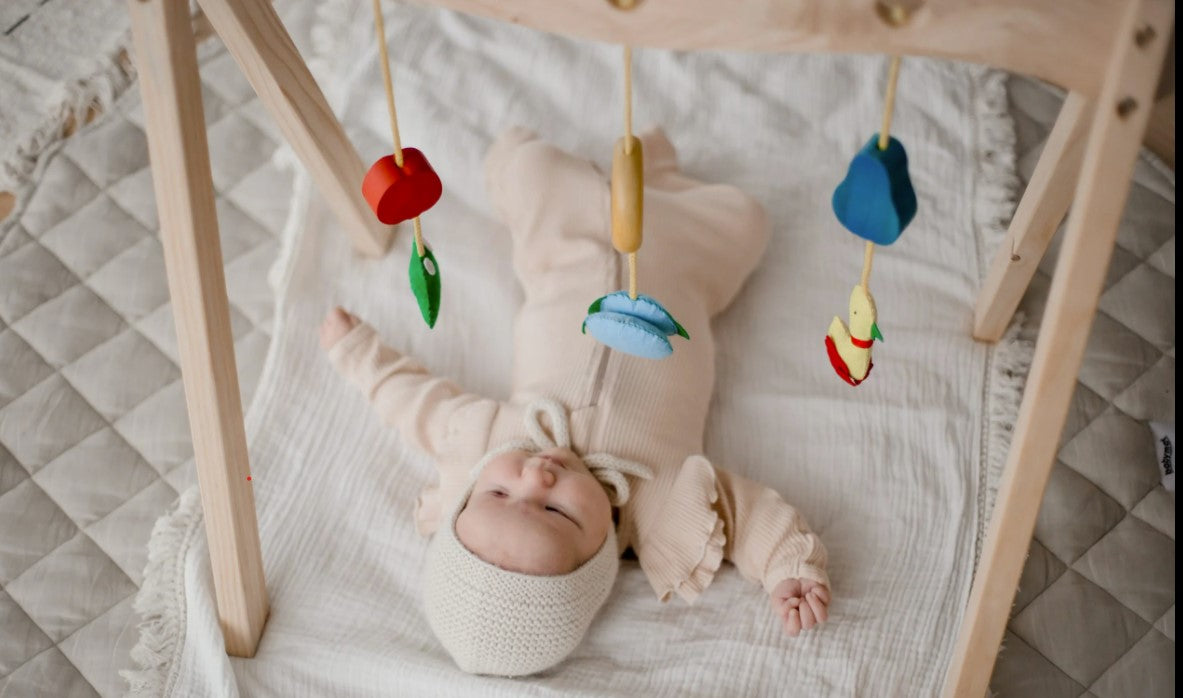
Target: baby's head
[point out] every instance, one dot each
(528, 555)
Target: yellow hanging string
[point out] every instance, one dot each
(632, 275)
(628, 99)
(628, 148)
(893, 74)
(867, 255)
(380, 28)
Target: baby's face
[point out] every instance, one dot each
(536, 513)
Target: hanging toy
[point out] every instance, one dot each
(875, 202)
(849, 352)
(625, 320)
(402, 186)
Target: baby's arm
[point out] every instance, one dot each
(770, 543)
(403, 393)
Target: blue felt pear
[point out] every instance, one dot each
(876, 201)
(639, 327)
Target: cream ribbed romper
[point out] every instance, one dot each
(700, 243)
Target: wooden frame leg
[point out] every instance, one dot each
(267, 57)
(166, 60)
(1039, 213)
(1121, 114)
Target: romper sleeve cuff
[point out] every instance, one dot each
(684, 549)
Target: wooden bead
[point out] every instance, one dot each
(628, 183)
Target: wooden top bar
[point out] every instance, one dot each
(1064, 42)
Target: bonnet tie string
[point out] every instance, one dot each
(608, 469)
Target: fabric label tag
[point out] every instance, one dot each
(1164, 443)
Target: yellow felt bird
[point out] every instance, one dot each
(850, 350)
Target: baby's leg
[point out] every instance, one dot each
(555, 204)
(556, 208)
(700, 239)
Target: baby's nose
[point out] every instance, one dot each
(536, 472)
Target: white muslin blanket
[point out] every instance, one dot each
(893, 475)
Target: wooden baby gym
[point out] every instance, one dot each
(1107, 55)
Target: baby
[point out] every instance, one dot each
(596, 451)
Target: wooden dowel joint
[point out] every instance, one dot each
(1144, 36)
(1126, 107)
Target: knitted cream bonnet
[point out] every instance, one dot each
(494, 621)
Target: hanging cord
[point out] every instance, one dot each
(628, 99)
(868, 253)
(628, 148)
(893, 74)
(380, 28)
(632, 275)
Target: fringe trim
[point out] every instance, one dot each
(99, 91)
(1008, 361)
(161, 599)
(1009, 364)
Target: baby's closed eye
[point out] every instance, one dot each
(560, 512)
(555, 510)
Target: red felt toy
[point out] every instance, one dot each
(398, 193)
(840, 366)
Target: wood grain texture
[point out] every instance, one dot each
(254, 35)
(166, 57)
(1119, 122)
(1065, 43)
(1039, 214)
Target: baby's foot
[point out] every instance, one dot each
(800, 604)
(337, 324)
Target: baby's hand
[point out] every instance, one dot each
(336, 325)
(801, 604)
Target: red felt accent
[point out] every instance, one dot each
(861, 343)
(840, 366)
(396, 194)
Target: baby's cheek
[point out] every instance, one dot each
(470, 524)
(598, 514)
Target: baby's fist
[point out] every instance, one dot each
(337, 324)
(800, 604)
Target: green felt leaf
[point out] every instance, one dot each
(592, 310)
(875, 333)
(425, 283)
(681, 330)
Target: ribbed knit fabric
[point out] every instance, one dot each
(701, 241)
